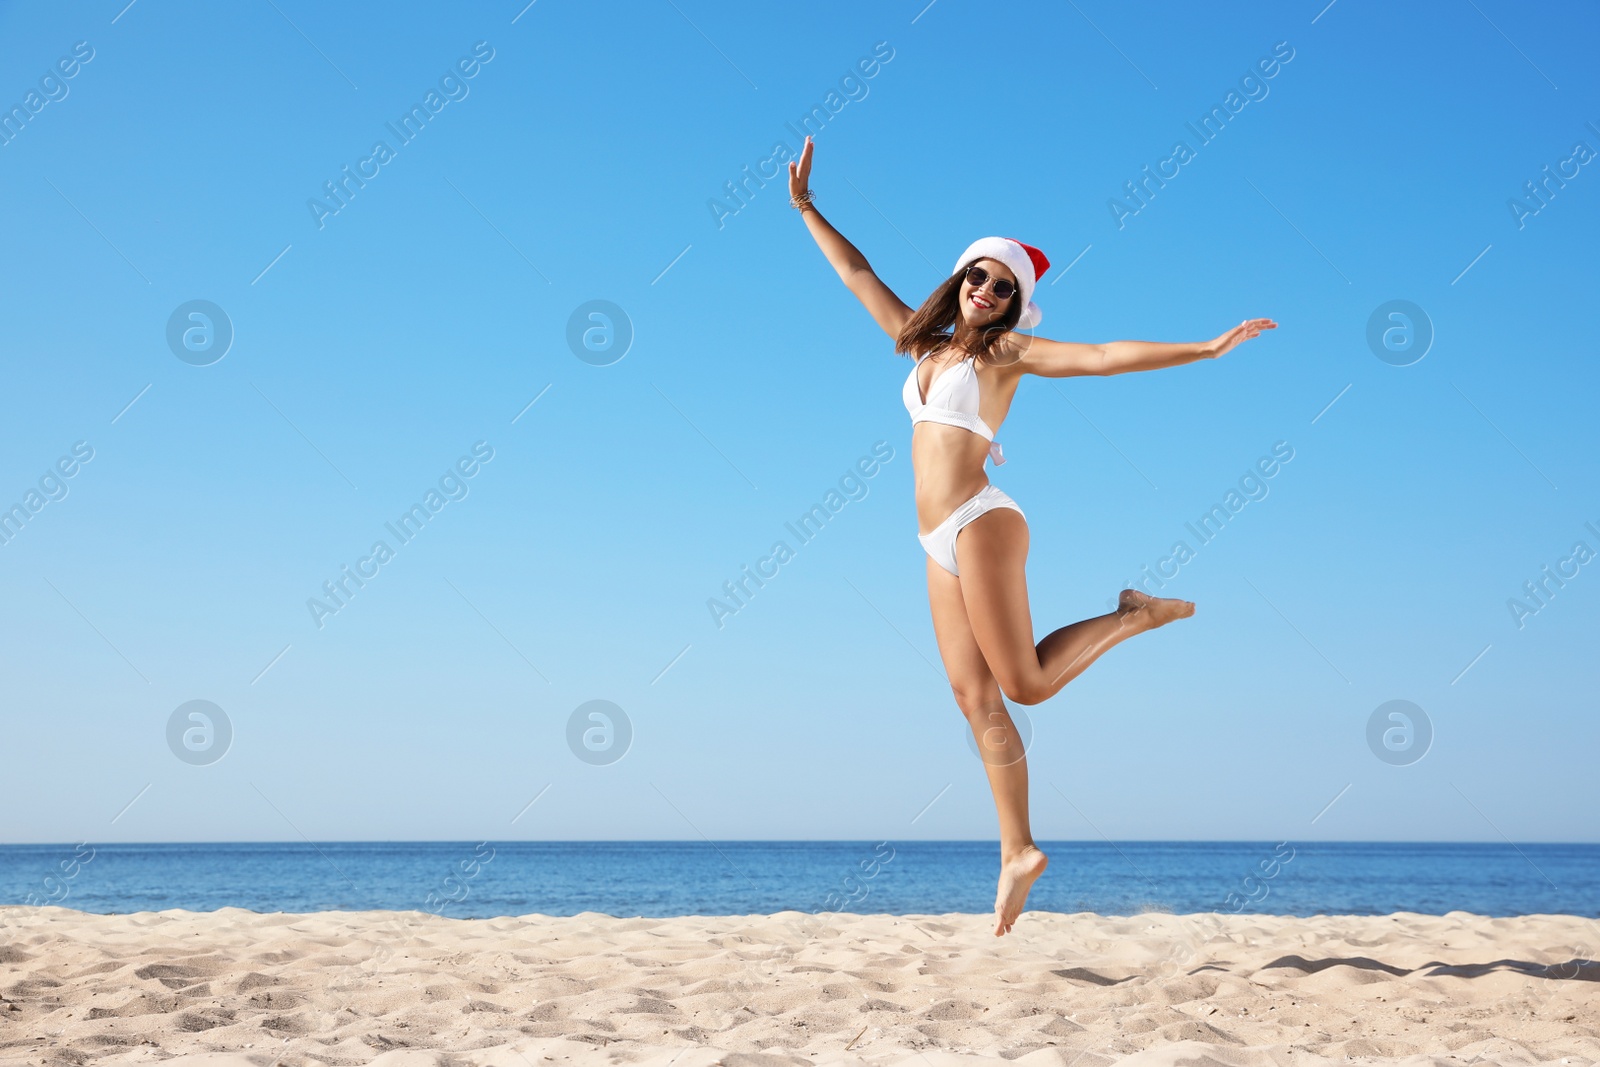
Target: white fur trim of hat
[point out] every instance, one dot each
(1025, 261)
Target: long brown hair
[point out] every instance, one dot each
(926, 329)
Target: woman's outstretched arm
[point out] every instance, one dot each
(888, 310)
(1062, 359)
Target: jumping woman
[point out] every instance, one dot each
(975, 536)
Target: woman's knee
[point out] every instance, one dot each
(1024, 690)
(977, 700)
(979, 704)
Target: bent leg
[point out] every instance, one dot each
(1000, 745)
(993, 552)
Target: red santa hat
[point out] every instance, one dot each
(1025, 261)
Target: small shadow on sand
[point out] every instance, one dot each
(1580, 970)
(1078, 974)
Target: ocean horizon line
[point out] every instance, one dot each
(1503, 843)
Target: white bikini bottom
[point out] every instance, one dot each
(940, 542)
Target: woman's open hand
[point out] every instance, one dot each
(800, 172)
(1243, 332)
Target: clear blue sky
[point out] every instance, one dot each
(374, 346)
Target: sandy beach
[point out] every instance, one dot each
(406, 989)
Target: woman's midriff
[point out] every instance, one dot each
(947, 464)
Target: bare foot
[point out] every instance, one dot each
(1148, 612)
(1017, 876)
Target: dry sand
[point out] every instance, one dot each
(405, 989)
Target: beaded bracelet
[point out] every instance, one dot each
(800, 200)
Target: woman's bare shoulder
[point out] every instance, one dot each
(1007, 353)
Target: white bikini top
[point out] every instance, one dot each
(952, 400)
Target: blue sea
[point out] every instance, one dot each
(671, 878)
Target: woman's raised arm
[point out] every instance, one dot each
(888, 310)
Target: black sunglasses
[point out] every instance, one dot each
(1002, 288)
